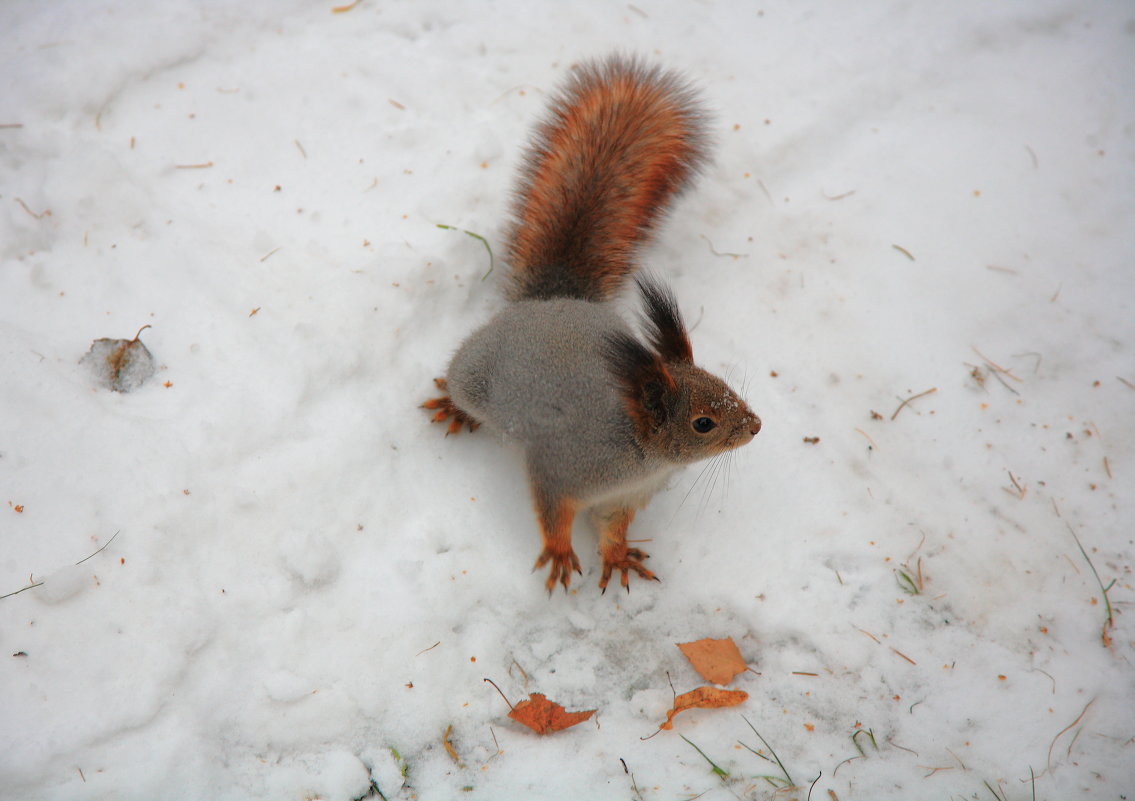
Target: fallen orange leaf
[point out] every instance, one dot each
(544, 716)
(703, 698)
(716, 660)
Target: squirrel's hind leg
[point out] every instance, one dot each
(612, 525)
(447, 409)
(556, 515)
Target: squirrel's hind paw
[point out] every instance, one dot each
(446, 410)
(562, 566)
(624, 560)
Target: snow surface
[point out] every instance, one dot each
(309, 582)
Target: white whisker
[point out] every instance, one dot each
(694, 484)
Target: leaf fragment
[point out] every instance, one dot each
(715, 660)
(448, 743)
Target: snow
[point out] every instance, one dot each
(309, 582)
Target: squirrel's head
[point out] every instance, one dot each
(679, 411)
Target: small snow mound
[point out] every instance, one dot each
(286, 687)
(385, 770)
(332, 776)
(64, 584)
(309, 557)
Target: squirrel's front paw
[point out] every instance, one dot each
(446, 409)
(562, 565)
(624, 559)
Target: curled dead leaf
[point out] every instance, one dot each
(703, 698)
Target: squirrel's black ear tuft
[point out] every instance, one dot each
(646, 384)
(664, 326)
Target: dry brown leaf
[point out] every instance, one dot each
(716, 660)
(544, 716)
(703, 698)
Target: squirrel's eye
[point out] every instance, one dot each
(703, 425)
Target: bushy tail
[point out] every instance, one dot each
(619, 141)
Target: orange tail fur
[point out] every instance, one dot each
(618, 143)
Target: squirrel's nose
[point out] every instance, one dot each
(755, 426)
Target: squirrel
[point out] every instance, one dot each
(604, 417)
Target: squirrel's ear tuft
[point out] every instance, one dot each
(664, 326)
(646, 384)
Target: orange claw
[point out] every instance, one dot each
(630, 559)
(446, 409)
(562, 565)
